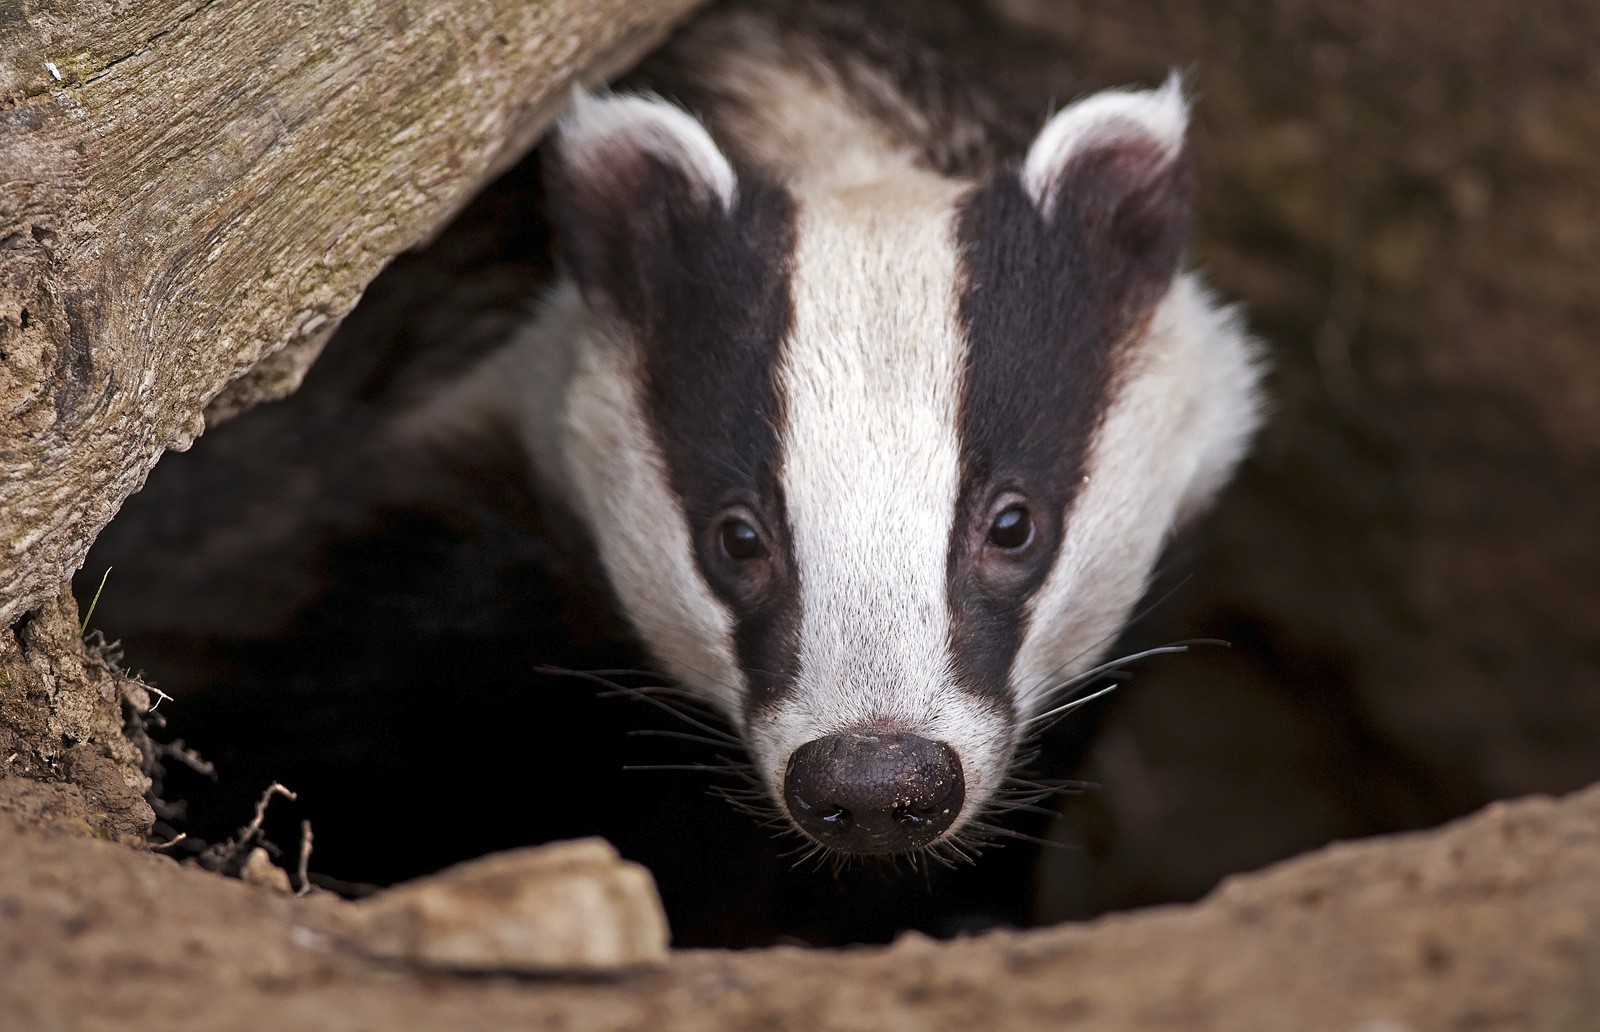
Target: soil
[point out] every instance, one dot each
(64, 701)
(1485, 925)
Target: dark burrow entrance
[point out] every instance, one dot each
(384, 644)
(328, 615)
(1405, 567)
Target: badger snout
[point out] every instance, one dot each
(874, 792)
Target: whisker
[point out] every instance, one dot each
(1035, 727)
(1024, 807)
(1138, 617)
(681, 695)
(680, 736)
(722, 736)
(959, 854)
(1110, 665)
(1048, 788)
(1068, 707)
(622, 672)
(754, 791)
(1011, 833)
(708, 768)
(750, 804)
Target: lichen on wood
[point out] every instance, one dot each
(192, 195)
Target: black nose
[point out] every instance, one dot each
(874, 793)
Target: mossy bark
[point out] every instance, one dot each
(192, 196)
(196, 193)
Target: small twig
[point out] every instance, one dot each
(305, 859)
(253, 829)
(188, 757)
(179, 837)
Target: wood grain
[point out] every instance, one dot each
(192, 195)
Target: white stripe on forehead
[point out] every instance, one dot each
(871, 457)
(871, 379)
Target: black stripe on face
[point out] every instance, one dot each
(706, 292)
(1048, 307)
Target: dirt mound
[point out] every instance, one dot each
(1487, 924)
(62, 701)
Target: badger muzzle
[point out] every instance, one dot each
(872, 793)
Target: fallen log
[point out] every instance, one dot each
(193, 194)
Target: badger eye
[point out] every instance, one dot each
(740, 540)
(1012, 529)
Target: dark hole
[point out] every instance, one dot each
(379, 659)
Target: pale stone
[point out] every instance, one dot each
(570, 906)
(259, 870)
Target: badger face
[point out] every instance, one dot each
(875, 465)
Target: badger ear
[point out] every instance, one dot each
(626, 177)
(1114, 168)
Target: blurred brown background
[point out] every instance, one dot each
(1406, 198)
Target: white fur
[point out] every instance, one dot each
(570, 382)
(801, 127)
(572, 379)
(870, 475)
(640, 528)
(1181, 420)
(872, 378)
(1161, 116)
(595, 125)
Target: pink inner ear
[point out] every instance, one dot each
(1150, 126)
(617, 140)
(1132, 199)
(626, 178)
(1119, 160)
(608, 174)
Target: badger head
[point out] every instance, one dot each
(876, 465)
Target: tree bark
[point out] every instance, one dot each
(193, 194)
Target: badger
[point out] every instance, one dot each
(875, 387)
